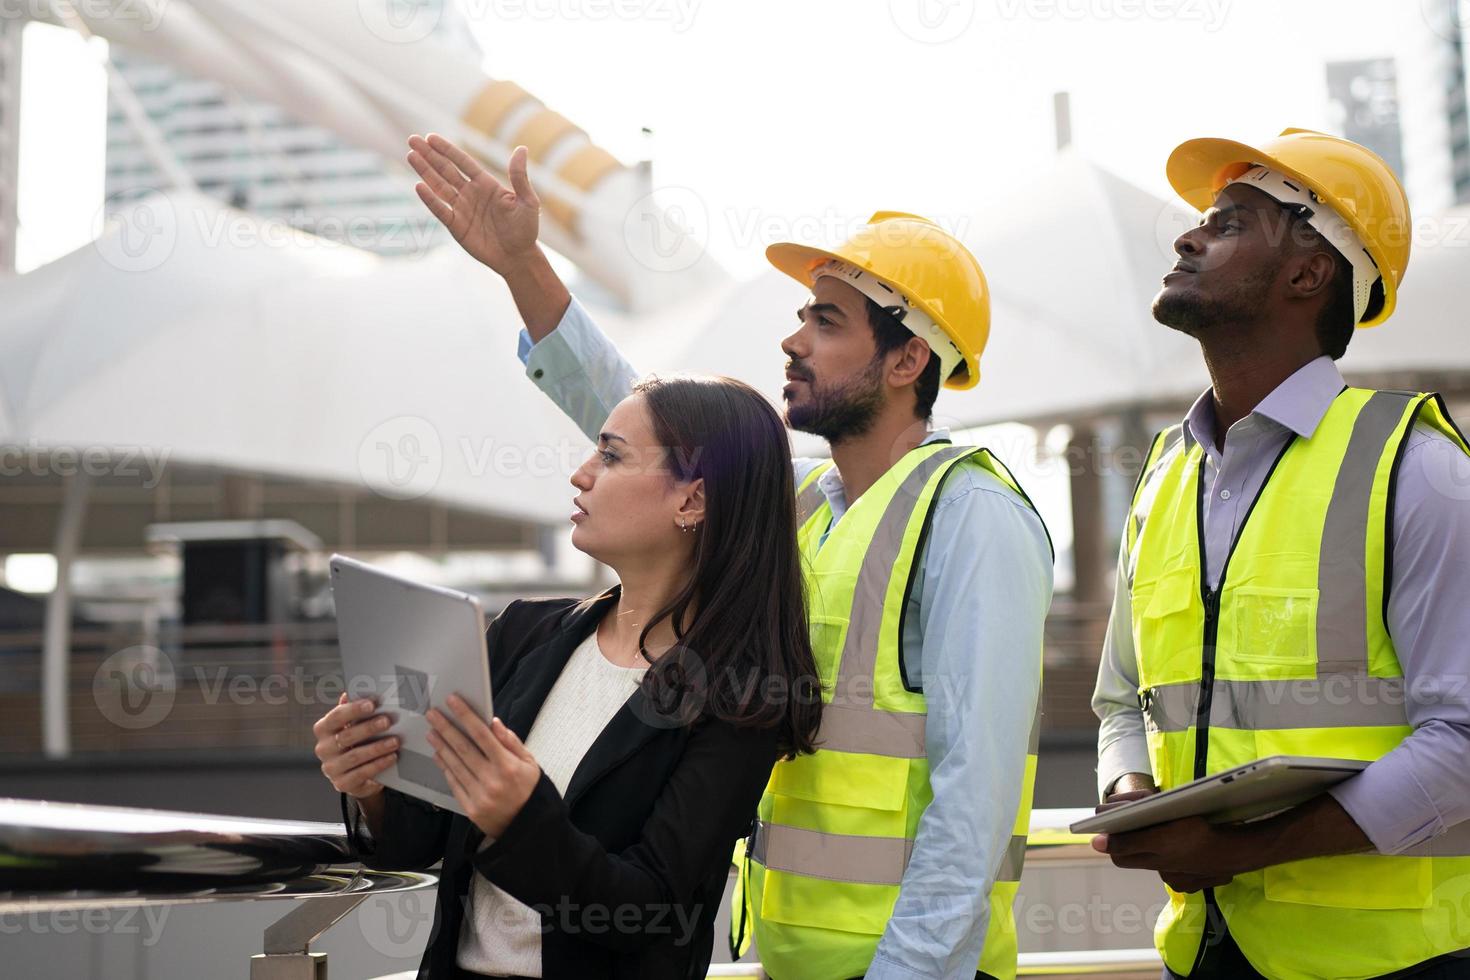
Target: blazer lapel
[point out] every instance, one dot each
(627, 732)
(532, 678)
(536, 674)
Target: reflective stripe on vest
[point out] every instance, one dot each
(846, 857)
(1339, 701)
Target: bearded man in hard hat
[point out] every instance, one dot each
(895, 849)
(1292, 582)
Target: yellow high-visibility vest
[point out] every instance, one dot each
(836, 827)
(1290, 655)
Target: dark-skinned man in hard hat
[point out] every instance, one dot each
(894, 850)
(1292, 582)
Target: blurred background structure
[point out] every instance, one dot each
(264, 349)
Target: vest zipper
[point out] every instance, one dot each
(1211, 934)
(1207, 677)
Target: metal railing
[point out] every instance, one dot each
(69, 856)
(262, 686)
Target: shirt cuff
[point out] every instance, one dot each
(1389, 805)
(564, 352)
(882, 968)
(1128, 753)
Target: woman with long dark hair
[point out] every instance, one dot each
(635, 730)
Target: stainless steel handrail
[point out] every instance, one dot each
(68, 855)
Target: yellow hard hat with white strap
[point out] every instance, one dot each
(918, 271)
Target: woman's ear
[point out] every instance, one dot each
(691, 509)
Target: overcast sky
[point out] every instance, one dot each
(778, 111)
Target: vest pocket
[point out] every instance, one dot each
(842, 788)
(1353, 881)
(1274, 626)
(1165, 637)
(840, 906)
(852, 794)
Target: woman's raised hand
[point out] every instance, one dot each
(347, 763)
(494, 223)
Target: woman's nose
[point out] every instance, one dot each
(582, 478)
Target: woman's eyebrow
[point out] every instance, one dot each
(609, 437)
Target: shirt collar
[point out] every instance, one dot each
(1299, 403)
(830, 482)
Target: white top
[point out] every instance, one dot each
(500, 936)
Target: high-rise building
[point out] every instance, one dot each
(256, 157)
(1364, 103)
(1430, 65)
(10, 31)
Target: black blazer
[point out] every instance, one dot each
(628, 870)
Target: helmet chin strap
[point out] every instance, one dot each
(1328, 223)
(919, 323)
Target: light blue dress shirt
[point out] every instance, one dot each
(1422, 787)
(972, 640)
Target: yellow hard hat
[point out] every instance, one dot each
(1351, 179)
(927, 265)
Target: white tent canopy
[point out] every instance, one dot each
(1071, 263)
(1426, 334)
(231, 342)
(227, 341)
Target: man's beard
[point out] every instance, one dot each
(842, 411)
(1193, 314)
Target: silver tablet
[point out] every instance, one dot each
(410, 645)
(1256, 789)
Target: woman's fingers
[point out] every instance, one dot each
(342, 714)
(349, 772)
(350, 748)
(458, 789)
(511, 741)
(452, 761)
(450, 740)
(360, 782)
(473, 724)
(346, 724)
(361, 731)
(365, 754)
